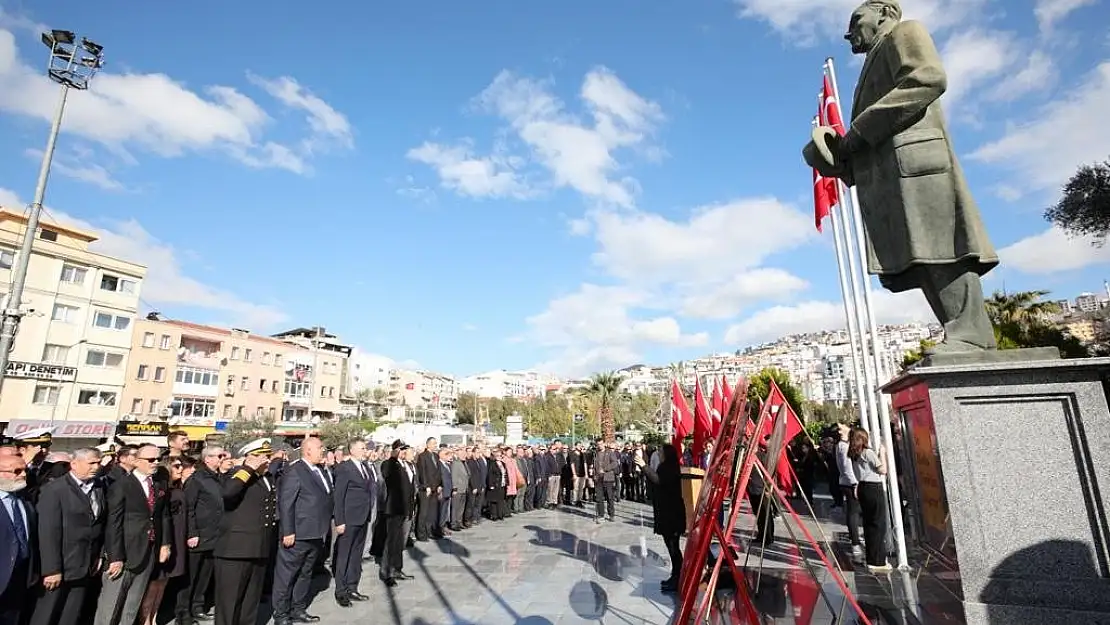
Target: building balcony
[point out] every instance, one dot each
(297, 400)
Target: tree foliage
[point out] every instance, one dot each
(603, 389)
(759, 387)
(343, 433)
(1023, 320)
(242, 431)
(1084, 208)
(914, 356)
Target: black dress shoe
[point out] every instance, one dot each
(343, 600)
(357, 596)
(203, 616)
(389, 581)
(402, 575)
(304, 617)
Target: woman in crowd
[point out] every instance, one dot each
(668, 509)
(870, 469)
(168, 476)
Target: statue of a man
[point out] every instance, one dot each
(923, 227)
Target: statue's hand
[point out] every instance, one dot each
(849, 146)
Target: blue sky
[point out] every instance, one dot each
(572, 185)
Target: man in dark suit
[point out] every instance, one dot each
(248, 532)
(446, 492)
(138, 535)
(477, 486)
(204, 504)
(355, 491)
(429, 482)
(72, 514)
(33, 446)
(18, 547)
(400, 503)
(304, 515)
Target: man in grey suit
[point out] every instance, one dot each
(924, 230)
(460, 480)
(305, 509)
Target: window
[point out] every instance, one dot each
(267, 358)
(97, 358)
(323, 391)
(231, 384)
(189, 375)
(65, 314)
(165, 344)
(262, 385)
(277, 360)
(274, 387)
(148, 339)
(259, 412)
(73, 275)
(246, 355)
(159, 374)
(144, 371)
(137, 406)
(7, 259)
(245, 384)
(227, 410)
(46, 395)
(94, 397)
(193, 407)
(155, 407)
(116, 284)
(239, 411)
(109, 321)
(331, 391)
(297, 389)
(56, 354)
(48, 235)
(235, 353)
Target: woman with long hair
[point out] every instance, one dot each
(167, 476)
(668, 509)
(870, 469)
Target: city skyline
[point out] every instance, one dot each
(544, 196)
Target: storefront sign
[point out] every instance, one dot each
(63, 429)
(40, 371)
(134, 428)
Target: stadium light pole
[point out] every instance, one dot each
(72, 65)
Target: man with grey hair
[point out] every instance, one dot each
(70, 559)
(204, 509)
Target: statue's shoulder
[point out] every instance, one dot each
(910, 30)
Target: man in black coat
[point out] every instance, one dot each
(248, 532)
(18, 544)
(429, 482)
(304, 515)
(397, 512)
(204, 504)
(355, 492)
(477, 485)
(72, 512)
(138, 535)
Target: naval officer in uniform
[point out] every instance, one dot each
(247, 533)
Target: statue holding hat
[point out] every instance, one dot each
(923, 227)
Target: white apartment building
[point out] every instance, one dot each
(423, 389)
(68, 365)
(503, 384)
(315, 377)
(367, 372)
(1087, 302)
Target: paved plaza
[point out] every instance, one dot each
(556, 567)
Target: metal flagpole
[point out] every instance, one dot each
(893, 489)
(851, 306)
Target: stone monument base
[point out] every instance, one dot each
(1010, 469)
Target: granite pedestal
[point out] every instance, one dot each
(1012, 483)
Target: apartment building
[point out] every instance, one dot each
(503, 384)
(68, 365)
(197, 376)
(423, 389)
(316, 374)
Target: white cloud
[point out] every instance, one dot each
(575, 153)
(724, 300)
(813, 316)
(89, 172)
(1049, 12)
(1053, 251)
(1038, 74)
(1045, 151)
(474, 176)
(157, 114)
(973, 57)
(805, 22)
(166, 282)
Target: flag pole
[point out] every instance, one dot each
(851, 308)
(887, 444)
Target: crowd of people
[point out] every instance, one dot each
(119, 534)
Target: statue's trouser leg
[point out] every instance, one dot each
(956, 297)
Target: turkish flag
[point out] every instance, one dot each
(703, 423)
(718, 408)
(681, 419)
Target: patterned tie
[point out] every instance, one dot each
(20, 528)
(150, 505)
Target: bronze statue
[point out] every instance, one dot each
(923, 227)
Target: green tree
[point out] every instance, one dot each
(831, 412)
(1084, 208)
(342, 433)
(464, 408)
(603, 390)
(1024, 320)
(914, 356)
(242, 431)
(759, 387)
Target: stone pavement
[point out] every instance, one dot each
(549, 567)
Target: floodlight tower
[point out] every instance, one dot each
(72, 65)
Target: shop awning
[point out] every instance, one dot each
(195, 432)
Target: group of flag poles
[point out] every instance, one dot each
(835, 201)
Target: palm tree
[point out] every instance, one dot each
(1021, 309)
(604, 390)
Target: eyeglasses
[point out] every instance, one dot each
(154, 459)
(177, 465)
(16, 471)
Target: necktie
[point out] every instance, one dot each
(150, 505)
(323, 479)
(20, 528)
(362, 470)
(91, 492)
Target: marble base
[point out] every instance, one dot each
(1024, 450)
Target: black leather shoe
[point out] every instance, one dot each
(203, 616)
(357, 596)
(343, 600)
(389, 581)
(402, 575)
(304, 617)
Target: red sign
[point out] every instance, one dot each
(410, 386)
(64, 429)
